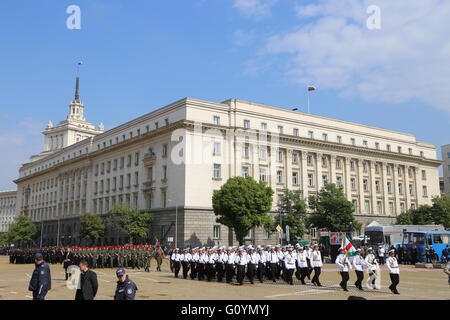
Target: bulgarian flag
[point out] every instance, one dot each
(349, 249)
(311, 88)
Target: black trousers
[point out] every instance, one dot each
(395, 279)
(185, 266)
(345, 277)
(240, 274)
(273, 271)
(359, 278)
(229, 272)
(193, 274)
(201, 271)
(288, 275)
(317, 271)
(37, 296)
(220, 271)
(251, 271)
(209, 270)
(176, 268)
(260, 272)
(310, 269)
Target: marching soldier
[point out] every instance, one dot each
(316, 264)
(201, 264)
(220, 269)
(175, 258)
(358, 263)
(372, 268)
(185, 259)
(302, 265)
(194, 263)
(343, 267)
(273, 260)
(262, 260)
(253, 259)
(68, 257)
(229, 261)
(394, 271)
(241, 263)
(289, 264)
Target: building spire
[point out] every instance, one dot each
(77, 90)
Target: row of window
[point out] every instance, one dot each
(325, 136)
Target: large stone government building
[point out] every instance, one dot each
(7, 209)
(173, 158)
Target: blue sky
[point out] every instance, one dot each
(143, 54)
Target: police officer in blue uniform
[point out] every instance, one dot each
(126, 288)
(41, 281)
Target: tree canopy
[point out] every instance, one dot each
(292, 209)
(131, 221)
(22, 230)
(438, 213)
(91, 227)
(331, 210)
(242, 204)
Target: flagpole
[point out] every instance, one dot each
(307, 93)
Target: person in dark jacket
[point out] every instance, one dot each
(88, 283)
(68, 261)
(126, 288)
(41, 281)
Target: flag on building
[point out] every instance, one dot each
(311, 88)
(348, 247)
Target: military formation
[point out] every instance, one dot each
(134, 257)
(275, 263)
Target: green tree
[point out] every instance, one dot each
(92, 227)
(242, 204)
(130, 221)
(331, 210)
(441, 211)
(292, 209)
(405, 218)
(22, 230)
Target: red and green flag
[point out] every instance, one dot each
(348, 247)
(311, 88)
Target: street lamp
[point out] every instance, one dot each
(176, 222)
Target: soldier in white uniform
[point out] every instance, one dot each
(252, 263)
(273, 260)
(343, 267)
(372, 268)
(394, 271)
(229, 265)
(175, 258)
(316, 264)
(241, 262)
(220, 268)
(359, 264)
(289, 266)
(201, 264)
(185, 259)
(308, 252)
(262, 259)
(302, 264)
(193, 263)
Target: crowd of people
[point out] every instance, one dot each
(275, 263)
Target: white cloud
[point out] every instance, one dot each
(408, 59)
(255, 9)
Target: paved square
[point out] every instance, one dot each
(414, 284)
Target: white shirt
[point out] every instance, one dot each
(241, 260)
(230, 258)
(203, 258)
(253, 258)
(195, 257)
(371, 262)
(343, 263)
(358, 263)
(273, 257)
(392, 265)
(262, 258)
(301, 259)
(175, 257)
(289, 261)
(220, 257)
(186, 257)
(316, 259)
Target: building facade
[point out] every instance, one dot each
(170, 161)
(446, 168)
(7, 209)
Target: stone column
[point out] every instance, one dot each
(373, 190)
(319, 171)
(361, 186)
(384, 189)
(347, 179)
(288, 166)
(304, 172)
(395, 189)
